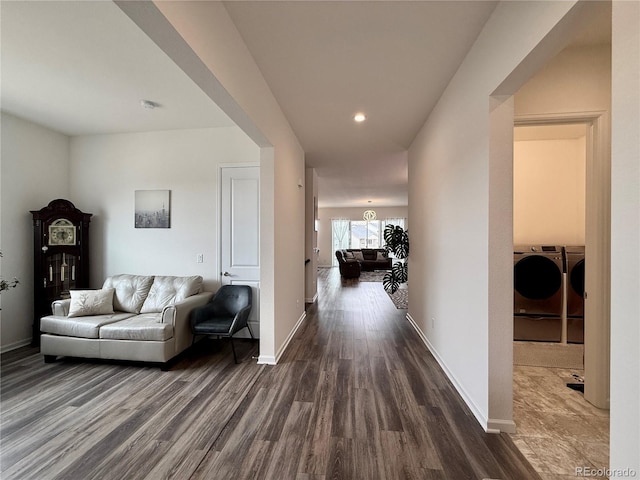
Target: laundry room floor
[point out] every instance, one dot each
(559, 432)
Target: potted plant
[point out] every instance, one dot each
(396, 241)
(5, 285)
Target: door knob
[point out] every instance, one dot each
(226, 274)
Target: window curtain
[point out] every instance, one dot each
(340, 228)
(394, 221)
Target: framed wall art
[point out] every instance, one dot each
(152, 209)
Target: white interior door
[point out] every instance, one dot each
(240, 232)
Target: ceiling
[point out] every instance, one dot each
(325, 61)
(82, 68)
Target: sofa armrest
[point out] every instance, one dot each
(178, 315)
(61, 307)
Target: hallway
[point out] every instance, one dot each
(355, 396)
(399, 414)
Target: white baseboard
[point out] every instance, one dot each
(14, 345)
(489, 425)
(311, 300)
(500, 426)
(266, 360)
(290, 336)
(270, 359)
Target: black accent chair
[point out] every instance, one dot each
(226, 314)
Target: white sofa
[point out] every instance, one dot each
(133, 317)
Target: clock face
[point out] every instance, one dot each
(62, 232)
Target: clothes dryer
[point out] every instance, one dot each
(537, 302)
(574, 261)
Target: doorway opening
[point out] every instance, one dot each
(560, 191)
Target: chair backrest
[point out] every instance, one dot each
(232, 298)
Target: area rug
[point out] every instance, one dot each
(400, 298)
(374, 276)
(554, 355)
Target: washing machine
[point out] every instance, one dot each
(537, 299)
(574, 261)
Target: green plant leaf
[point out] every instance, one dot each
(390, 283)
(400, 272)
(388, 234)
(396, 241)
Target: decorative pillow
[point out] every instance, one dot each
(381, 256)
(169, 290)
(358, 256)
(91, 302)
(369, 254)
(349, 255)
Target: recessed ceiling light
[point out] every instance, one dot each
(359, 117)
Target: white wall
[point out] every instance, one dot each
(325, 242)
(235, 82)
(106, 170)
(575, 79)
(549, 192)
(448, 178)
(625, 239)
(578, 82)
(311, 236)
(34, 170)
(452, 184)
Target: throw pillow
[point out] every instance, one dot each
(91, 302)
(381, 256)
(369, 254)
(349, 255)
(358, 256)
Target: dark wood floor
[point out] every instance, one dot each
(356, 396)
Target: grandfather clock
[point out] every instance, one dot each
(60, 256)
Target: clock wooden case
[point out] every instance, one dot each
(60, 256)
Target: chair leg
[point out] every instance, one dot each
(250, 332)
(233, 349)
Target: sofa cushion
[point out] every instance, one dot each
(91, 302)
(83, 327)
(169, 290)
(141, 327)
(130, 291)
(369, 254)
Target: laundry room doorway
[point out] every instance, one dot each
(561, 200)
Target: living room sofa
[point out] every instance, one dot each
(368, 258)
(133, 317)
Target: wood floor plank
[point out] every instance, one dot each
(342, 420)
(284, 459)
(316, 448)
(388, 414)
(369, 455)
(341, 459)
